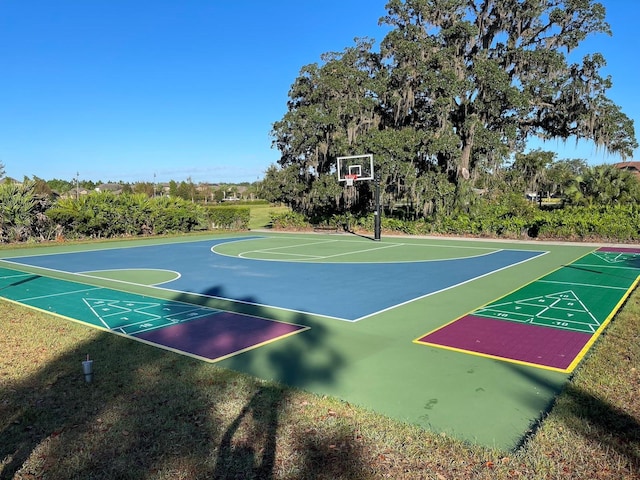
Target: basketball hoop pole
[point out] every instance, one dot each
(376, 214)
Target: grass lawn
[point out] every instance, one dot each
(150, 413)
(261, 215)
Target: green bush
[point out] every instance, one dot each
(618, 223)
(229, 217)
(289, 221)
(22, 213)
(105, 215)
(176, 215)
(509, 216)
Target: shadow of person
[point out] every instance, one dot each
(254, 451)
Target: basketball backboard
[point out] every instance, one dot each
(355, 167)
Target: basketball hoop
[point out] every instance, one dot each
(350, 179)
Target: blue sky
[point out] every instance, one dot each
(134, 90)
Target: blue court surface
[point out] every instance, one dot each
(347, 291)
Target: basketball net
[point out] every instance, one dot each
(350, 179)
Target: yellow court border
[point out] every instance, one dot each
(577, 359)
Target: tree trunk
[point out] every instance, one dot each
(465, 154)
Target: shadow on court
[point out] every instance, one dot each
(289, 362)
(30, 278)
(150, 412)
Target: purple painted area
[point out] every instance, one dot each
(620, 249)
(219, 335)
(544, 346)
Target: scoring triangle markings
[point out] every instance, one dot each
(560, 310)
(122, 315)
(615, 257)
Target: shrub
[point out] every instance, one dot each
(105, 215)
(289, 221)
(229, 217)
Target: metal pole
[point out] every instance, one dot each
(376, 215)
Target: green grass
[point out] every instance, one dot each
(150, 413)
(261, 215)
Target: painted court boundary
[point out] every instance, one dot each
(552, 322)
(373, 364)
(205, 333)
(262, 283)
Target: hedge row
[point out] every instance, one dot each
(610, 224)
(105, 215)
(229, 217)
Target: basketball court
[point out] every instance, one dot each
(470, 338)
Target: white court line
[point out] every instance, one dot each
(585, 285)
(19, 275)
(422, 245)
(320, 257)
(172, 321)
(578, 265)
(58, 294)
(447, 288)
(242, 255)
(270, 250)
(255, 304)
(324, 257)
(126, 247)
(96, 314)
(88, 273)
(362, 251)
(490, 251)
(96, 277)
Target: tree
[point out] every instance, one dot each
(608, 185)
(1, 169)
(41, 187)
(284, 185)
(561, 175)
(330, 107)
(173, 188)
(457, 89)
(481, 74)
(529, 169)
(60, 186)
(147, 188)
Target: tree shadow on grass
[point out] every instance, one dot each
(592, 417)
(247, 449)
(149, 413)
(250, 452)
(145, 408)
(586, 415)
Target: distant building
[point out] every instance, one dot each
(75, 193)
(632, 166)
(115, 188)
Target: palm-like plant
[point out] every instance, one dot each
(21, 212)
(607, 185)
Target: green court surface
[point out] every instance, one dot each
(373, 362)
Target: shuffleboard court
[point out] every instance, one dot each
(552, 322)
(198, 331)
(339, 315)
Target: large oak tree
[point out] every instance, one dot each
(457, 87)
